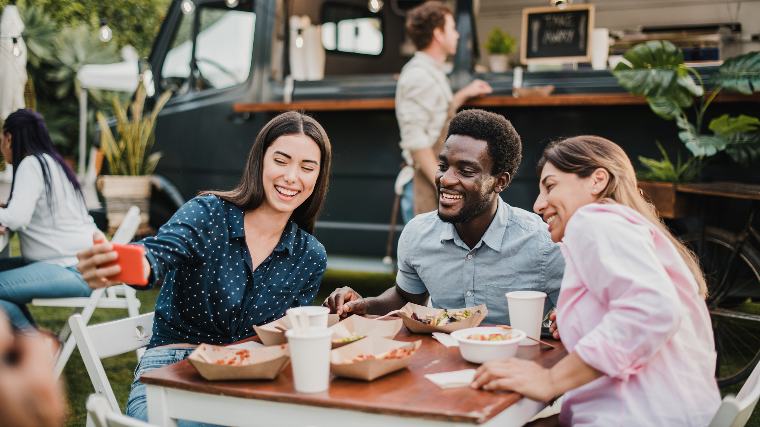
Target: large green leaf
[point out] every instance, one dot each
(744, 148)
(700, 145)
(726, 125)
(741, 73)
(665, 107)
(656, 69)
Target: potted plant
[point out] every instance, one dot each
(130, 162)
(656, 70)
(499, 45)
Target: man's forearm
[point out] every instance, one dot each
(424, 160)
(387, 301)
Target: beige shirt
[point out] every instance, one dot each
(423, 96)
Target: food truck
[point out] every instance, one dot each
(234, 64)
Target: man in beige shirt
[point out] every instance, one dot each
(425, 103)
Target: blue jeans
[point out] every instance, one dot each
(21, 282)
(154, 358)
(407, 202)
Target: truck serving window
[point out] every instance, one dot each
(211, 48)
(351, 29)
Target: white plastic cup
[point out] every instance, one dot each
(310, 358)
(526, 310)
(316, 316)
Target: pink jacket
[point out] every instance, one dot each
(630, 308)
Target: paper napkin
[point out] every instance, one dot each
(445, 339)
(452, 379)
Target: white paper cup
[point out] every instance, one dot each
(526, 310)
(310, 358)
(316, 316)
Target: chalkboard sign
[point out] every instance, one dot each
(556, 35)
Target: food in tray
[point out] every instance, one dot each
(490, 337)
(443, 318)
(239, 358)
(396, 353)
(349, 339)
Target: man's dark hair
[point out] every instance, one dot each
(423, 19)
(503, 141)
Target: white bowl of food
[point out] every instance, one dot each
(486, 343)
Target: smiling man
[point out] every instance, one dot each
(476, 247)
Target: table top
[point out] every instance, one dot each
(405, 392)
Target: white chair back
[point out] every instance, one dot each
(128, 226)
(99, 414)
(734, 411)
(108, 339)
(120, 296)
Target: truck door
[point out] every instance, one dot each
(204, 55)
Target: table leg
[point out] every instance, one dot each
(158, 407)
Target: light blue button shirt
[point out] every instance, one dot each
(515, 253)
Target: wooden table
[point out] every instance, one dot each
(403, 398)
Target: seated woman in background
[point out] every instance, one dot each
(47, 210)
(631, 310)
(227, 261)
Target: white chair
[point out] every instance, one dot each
(99, 414)
(96, 342)
(734, 411)
(121, 296)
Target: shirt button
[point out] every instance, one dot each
(469, 256)
(469, 293)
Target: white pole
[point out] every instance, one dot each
(82, 131)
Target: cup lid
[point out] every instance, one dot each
(525, 294)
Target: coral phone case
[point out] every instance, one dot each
(131, 262)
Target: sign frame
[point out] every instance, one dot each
(555, 59)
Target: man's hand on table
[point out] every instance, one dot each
(346, 301)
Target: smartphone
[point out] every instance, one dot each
(131, 262)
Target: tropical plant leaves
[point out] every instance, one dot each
(665, 107)
(656, 70)
(667, 171)
(727, 125)
(698, 144)
(128, 155)
(741, 73)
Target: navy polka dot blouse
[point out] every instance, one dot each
(210, 292)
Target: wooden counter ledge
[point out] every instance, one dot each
(570, 100)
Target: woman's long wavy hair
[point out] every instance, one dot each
(30, 137)
(249, 193)
(582, 155)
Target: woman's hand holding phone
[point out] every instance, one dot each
(106, 264)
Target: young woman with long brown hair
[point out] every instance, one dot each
(228, 260)
(631, 310)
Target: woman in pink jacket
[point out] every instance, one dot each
(631, 310)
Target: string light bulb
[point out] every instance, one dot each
(105, 34)
(375, 6)
(299, 38)
(231, 3)
(187, 7)
(16, 49)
